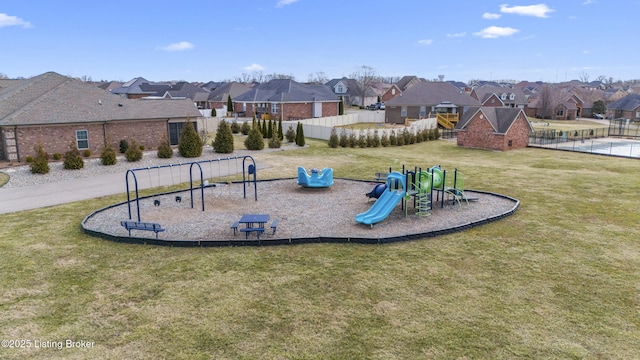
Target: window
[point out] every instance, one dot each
(274, 108)
(82, 139)
(423, 111)
(393, 91)
(560, 112)
(403, 111)
(244, 107)
(512, 97)
(510, 143)
(175, 129)
(637, 114)
(340, 89)
(503, 96)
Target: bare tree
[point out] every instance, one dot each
(318, 78)
(584, 77)
(365, 78)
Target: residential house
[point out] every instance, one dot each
(287, 99)
(57, 111)
(425, 99)
(139, 87)
(494, 128)
(628, 108)
(401, 85)
(349, 90)
(218, 97)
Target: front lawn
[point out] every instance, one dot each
(557, 280)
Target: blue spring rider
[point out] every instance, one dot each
(317, 179)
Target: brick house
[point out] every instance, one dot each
(628, 107)
(499, 96)
(401, 85)
(287, 99)
(57, 110)
(494, 128)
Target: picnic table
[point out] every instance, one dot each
(253, 223)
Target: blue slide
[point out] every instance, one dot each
(388, 201)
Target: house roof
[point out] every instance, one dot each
(352, 87)
(630, 102)
(136, 86)
(186, 90)
(500, 118)
(222, 92)
(483, 93)
(428, 93)
(51, 98)
(287, 90)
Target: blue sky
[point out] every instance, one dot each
(202, 40)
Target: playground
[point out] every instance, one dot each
(203, 216)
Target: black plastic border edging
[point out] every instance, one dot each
(293, 241)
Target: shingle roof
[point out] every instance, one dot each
(429, 93)
(485, 92)
(51, 98)
(630, 102)
(287, 90)
(500, 118)
(222, 92)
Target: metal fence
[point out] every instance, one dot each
(605, 141)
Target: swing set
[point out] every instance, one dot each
(248, 176)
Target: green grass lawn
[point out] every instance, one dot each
(557, 280)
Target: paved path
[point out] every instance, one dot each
(66, 191)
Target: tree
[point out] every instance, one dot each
(599, 107)
(223, 143)
(189, 144)
(365, 78)
(133, 152)
(584, 77)
(254, 141)
(280, 134)
(291, 134)
(318, 78)
(229, 104)
(300, 135)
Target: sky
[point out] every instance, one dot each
(213, 40)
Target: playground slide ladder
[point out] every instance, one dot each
(424, 204)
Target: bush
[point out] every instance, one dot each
(235, 127)
(344, 139)
(291, 134)
(244, 129)
(213, 112)
(384, 139)
(436, 133)
(133, 153)
(254, 140)
(29, 159)
(57, 156)
(275, 142)
(393, 139)
(141, 147)
(108, 155)
(72, 158)
(190, 144)
(353, 140)
(223, 143)
(376, 138)
(333, 138)
(124, 145)
(40, 164)
(280, 135)
(362, 140)
(86, 153)
(164, 149)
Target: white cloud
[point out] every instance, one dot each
(589, 2)
(7, 20)
(282, 3)
(254, 67)
(538, 10)
(462, 34)
(491, 16)
(425, 42)
(181, 46)
(493, 32)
